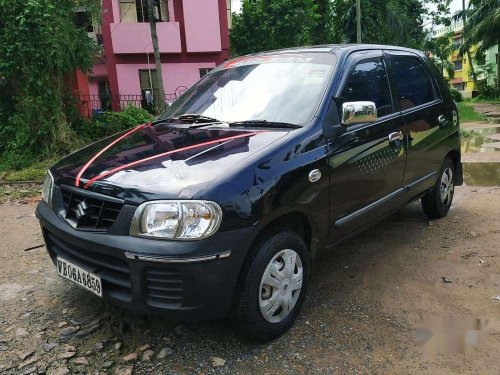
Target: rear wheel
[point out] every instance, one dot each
(437, 202)
(272, 286)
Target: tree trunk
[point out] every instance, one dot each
(471, 63)
(160, 102)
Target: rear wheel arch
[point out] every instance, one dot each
(454, 155)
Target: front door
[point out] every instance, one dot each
(366, 167)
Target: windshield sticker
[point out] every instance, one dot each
(253, 60)
(316, 76)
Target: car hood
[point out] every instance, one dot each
(161, 161)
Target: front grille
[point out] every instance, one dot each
(89, 212)
(164, 286)
(113, 271)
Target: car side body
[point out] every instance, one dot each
(324, 181)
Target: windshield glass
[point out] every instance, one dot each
(276, 88)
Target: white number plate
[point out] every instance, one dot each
(79, 276)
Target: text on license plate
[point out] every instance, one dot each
(79, 276)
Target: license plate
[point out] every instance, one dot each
(79, 276)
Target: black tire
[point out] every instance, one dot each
(246, 311)
(432, 203)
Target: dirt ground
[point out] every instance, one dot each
(408, 296)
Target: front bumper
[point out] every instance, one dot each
(181, 280)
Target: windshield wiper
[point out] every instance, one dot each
(265, 123)
(196, 118)
(188, 117)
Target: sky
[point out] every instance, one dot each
(236, 5)
(454, 6)
(457, 5)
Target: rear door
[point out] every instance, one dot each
(366, 168)
(427, 121)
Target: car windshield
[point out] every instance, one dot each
(285, 88)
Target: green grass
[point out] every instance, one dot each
(466, 133)
(468, 114)
(479, 99)
(10, 193)
(35, 172)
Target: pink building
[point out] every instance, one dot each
(193, 38)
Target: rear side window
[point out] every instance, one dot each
(368, 82)
(413, 82)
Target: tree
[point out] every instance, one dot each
(40, 47)
(271, 24)
(321, 21)
(440, 49)
(397, 22)
(482, 28)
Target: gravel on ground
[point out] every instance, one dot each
(407, 296)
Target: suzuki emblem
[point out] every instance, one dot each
(81, 209)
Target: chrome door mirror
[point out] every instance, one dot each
(358, 113)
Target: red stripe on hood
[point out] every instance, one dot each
(125, 166)
(125, 135)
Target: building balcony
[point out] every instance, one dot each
(136, 37)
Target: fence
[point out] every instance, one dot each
(90, 105)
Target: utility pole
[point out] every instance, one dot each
(358, 21)
(154, 38)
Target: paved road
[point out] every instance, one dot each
(408, 296)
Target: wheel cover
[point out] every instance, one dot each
(446, 187)
(280, 285)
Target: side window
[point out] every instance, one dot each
(412, 80)
(368, 82)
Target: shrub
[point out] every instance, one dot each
(109, 123)
(40, 48)
(487, 92)
(456, 95)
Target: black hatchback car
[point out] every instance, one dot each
(221, 204)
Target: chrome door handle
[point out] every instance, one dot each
(395, 137)
(442, 120)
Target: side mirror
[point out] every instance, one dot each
(358, 113)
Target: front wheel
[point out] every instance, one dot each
(437, 202)
(272, 286)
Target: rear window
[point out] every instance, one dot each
(413, 82)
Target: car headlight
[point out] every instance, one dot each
(176, 220)
(48, 185)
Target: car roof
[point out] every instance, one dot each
(338, 48)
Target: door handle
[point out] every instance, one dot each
(442, 120)
(395, 137)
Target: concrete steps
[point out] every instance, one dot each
(492, 117)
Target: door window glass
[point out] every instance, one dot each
(368, 82)
(412, 81)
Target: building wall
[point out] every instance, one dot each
(174, 75)
(201, 20)
(462, 77)
(93, 88)
(195, 36)
(130, 38)
(492, 59)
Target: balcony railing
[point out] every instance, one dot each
(91, 105)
